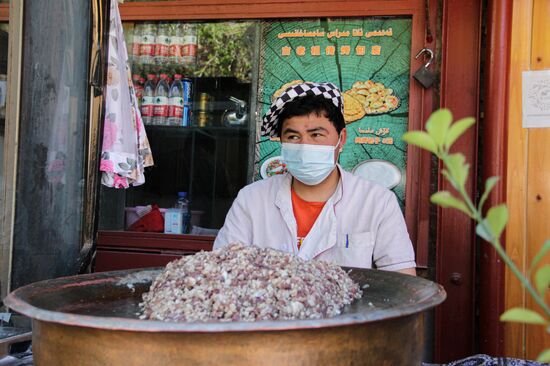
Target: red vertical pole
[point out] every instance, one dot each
(491, 268)
(455, 253)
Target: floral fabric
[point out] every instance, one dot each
(126, 151)
(484, 360)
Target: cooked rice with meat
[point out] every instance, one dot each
(247, 283)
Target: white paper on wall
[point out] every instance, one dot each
(536, 99)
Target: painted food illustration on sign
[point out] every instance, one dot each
(379, 171)
(364, 98)
(368, 98)
(272, 166)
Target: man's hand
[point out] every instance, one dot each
(409, 271)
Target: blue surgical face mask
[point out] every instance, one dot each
(310, 164)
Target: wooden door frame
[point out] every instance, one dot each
(11, 140)
(462, 22)
(494, 159)
(455, 253)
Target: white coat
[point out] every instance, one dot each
(361, 225)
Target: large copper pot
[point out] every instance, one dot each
(92, 320)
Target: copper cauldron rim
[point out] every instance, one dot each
(430, 295)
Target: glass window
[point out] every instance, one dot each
(194, 82)
(231, 72)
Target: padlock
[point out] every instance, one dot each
(424, 76)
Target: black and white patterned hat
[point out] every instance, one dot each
(328, 90)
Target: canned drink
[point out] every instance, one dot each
(187, 101)
(204, 98)
(186, 119)
(202, 119)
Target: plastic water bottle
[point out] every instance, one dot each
(160, 110)
(190, 44)
(162, 44)
(183, 205)
(136, 42)
(176, 44)
(175, 101)
(148, 100)
(176, 219)
(147, 46)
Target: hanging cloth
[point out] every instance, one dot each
(126, 151)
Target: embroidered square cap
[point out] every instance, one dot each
(328, 90)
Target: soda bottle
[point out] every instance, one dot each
(162, 44)
(147, 46)
(175, 101)
(136, 43)
(160, 110)
(176, 44)
(148, 100)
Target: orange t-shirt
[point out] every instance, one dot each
(305, 214)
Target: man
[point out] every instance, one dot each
(317, 210)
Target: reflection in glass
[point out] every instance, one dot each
(52, 140)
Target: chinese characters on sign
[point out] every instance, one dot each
(344, 50)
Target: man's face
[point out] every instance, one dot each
(311, 129)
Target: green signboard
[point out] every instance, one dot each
(369, 60)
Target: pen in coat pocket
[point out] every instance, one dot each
(347, 240)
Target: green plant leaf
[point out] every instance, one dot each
(445, 199)
(420, 139)
(449, 179)
(458, 170)
(543, 250)
(542, 279)
(490, 183)
(482, 232)
(438, 125)
(544, 356)
(457, 129)
(498, 218)
(492, 226)
(522, 315)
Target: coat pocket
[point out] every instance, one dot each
(352, 250)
